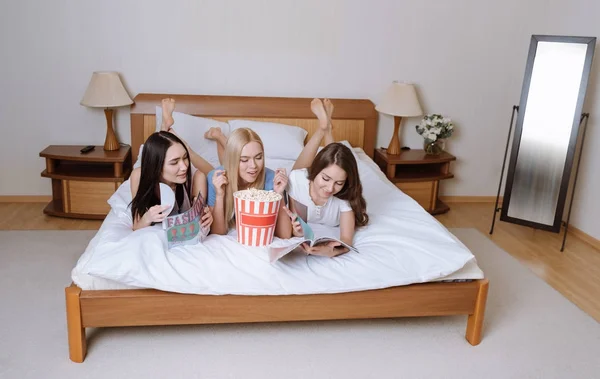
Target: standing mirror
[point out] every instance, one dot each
(546, 132)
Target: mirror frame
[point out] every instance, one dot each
(566, 175)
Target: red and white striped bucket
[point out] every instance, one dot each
(255, 220)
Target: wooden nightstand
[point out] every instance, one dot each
(81, 183)
(418, 175)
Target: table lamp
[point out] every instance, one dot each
(106, 91)
(400, 100)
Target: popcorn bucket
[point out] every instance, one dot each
(256, 216)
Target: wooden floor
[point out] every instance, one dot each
(575, 272)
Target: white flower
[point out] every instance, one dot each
(433, 126)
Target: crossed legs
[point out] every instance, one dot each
(168, 106)
(323, 110)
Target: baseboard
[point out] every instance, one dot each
(25, 199)
(595, 243)
(470, 199)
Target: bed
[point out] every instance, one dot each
(356, 122)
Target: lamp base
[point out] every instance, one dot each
(110, 143)
(394, 146)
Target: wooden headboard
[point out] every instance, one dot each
(353, 120)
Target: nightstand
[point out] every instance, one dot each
(82, 183)
(418, 175)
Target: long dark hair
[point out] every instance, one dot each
(341, 155)
(153, 160)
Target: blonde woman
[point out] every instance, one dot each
(243, 168)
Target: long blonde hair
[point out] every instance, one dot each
(233, 151)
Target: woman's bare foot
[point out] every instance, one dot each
(214, 133)
(168, 106)
(316, 106)
(328, 109)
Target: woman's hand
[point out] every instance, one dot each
(207, 218)
(329, 249)
(219, 181)
(155, 214)
(280, 180)
(296, 227)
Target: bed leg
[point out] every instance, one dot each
(475, 321)
(75, 329)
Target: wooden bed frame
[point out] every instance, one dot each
(355, 121)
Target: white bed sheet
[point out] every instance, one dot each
(403, 244)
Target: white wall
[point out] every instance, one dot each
(466, 57)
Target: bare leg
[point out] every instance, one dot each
(215, 134)
(329, 110)
(168, 106)
(308, 153)
(200, 163)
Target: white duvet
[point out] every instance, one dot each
(402, 245)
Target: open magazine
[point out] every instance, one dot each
(184, 228)
(310, 237)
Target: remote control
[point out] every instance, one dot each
(87, 149)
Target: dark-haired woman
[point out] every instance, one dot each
(328, 184)
(165, 159)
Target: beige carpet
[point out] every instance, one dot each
(531, 331)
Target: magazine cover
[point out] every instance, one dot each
(184, 228)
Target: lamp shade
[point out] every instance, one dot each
(105, 90)
(400, 99)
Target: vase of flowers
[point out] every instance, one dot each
(435, 128)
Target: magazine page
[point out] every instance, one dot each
(184, 228)
(276, 253)
(322, 234)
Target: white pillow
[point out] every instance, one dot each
(275, 163)
(281, 141)
(191, 129)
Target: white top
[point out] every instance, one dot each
(328, 214)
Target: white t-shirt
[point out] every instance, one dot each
(328, 214)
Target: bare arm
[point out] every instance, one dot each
(347, 227)
(219, 225)
(220, 182)
(199, 184)
(134, 181)
(283, 228)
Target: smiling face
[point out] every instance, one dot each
(329, 181)
(176, 165)
(251, 162)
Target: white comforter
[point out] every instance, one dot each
(403, 244)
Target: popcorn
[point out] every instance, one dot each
(257, 195)
(256, 216)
